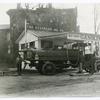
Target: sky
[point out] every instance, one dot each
(85, 14)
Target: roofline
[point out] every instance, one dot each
(4, 26)
(35, 35)
(61, 33)
(51, 36)
(20, 37)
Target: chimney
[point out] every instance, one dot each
(18, 5)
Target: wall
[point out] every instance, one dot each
(4, 44)
(58, 42)
(28, 38)
(61, 19)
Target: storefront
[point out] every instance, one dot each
(49, 40)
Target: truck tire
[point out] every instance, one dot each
(49, 68)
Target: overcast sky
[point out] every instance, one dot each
(85, 14)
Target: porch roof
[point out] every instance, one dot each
(41, 34)
(67, 35)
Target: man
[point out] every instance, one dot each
(19, 64)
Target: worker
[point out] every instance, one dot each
(80, 61)
(19, 64)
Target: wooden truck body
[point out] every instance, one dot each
(48, 61)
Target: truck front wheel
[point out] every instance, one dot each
(49, 68)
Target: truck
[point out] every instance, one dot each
(48, 62)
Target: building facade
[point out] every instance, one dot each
(41, 19)
(51, 40)
(4, 42)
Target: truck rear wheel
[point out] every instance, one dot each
(49, 68)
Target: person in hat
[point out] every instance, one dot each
(19, 64)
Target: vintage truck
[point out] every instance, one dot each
(49, 61)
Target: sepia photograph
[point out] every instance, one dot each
(49, 49)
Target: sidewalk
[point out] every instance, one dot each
(6, 69)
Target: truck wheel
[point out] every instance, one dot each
(49, 68)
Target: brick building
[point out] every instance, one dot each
(42, 19)
(4, 42)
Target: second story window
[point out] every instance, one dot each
(22, 46)
(32, 44)
(45, 44)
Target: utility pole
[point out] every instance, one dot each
(26, 10)
(95, 20)
(25, 33)
(95, 32)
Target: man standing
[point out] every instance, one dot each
(19, 64)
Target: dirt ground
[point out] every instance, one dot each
(65, 84)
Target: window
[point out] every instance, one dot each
(46, 44)
(22, 46)
(29, 54)
(8, 37)
(32, 44)
(9, 49)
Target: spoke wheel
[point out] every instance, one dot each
(49, 69)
